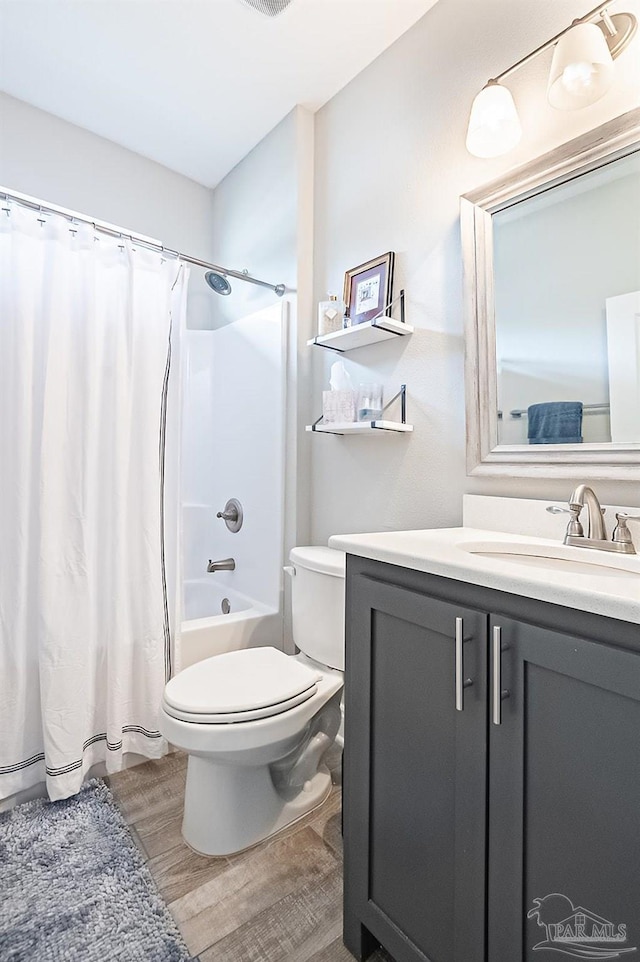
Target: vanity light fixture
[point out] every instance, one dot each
(581, 73)
(494, 125)
(581, 69)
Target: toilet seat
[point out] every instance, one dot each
(239, 686)
(228, 718)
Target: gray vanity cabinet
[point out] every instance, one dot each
(456, 821)
(414, 802)
(564, 788)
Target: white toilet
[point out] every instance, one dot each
(257, 723)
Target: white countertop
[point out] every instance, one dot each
(612, 588)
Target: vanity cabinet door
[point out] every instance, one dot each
(415, 776)
(564, 824)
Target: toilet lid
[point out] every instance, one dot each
(245, 682)
(230, 717)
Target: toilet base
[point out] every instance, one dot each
(230, 808)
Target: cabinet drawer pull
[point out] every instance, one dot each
(498, 692)
(461, 681)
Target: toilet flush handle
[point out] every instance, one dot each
(289, 570)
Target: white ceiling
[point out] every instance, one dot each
(193, 84)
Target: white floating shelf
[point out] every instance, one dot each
(383, 329)
(363, 428)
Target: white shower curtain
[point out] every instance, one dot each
(88, 592)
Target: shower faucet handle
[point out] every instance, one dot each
(232, 515)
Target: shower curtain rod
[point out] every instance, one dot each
(33, 203)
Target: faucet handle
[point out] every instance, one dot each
(556, 509)
(232, 515)
(574, 528)
(621, 533)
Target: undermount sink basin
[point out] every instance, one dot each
(580, 561)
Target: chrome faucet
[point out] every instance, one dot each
(582, 495)
(228, 564)
(596, 532)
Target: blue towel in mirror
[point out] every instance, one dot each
(555, 422)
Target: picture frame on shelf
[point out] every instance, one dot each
(368, 289)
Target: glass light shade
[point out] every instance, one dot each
(494, 125)
(582, 68)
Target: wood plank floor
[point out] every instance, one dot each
(279, 902)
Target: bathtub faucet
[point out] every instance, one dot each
(228, 564)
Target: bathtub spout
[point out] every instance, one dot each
(228, 564)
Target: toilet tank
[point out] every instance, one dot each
(317, 604)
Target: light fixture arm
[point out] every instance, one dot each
(599, 12)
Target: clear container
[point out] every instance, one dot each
(369, 405)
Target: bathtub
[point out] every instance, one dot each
(207, 630)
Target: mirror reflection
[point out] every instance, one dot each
(567, 310)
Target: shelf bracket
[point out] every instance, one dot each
(319, 421)
(327, 347)
(383, 313)
(402, 394)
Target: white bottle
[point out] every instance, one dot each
(330, 315)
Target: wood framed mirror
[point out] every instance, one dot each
(552, 298)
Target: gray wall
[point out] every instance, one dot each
(56, 161)
(390, 166)
(254, 212)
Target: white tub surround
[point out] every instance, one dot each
(233, 447)
(207, 631)
(592, 580)
(204, 599)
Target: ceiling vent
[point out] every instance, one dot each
(270, 8)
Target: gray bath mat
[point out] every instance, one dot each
(74, 886)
